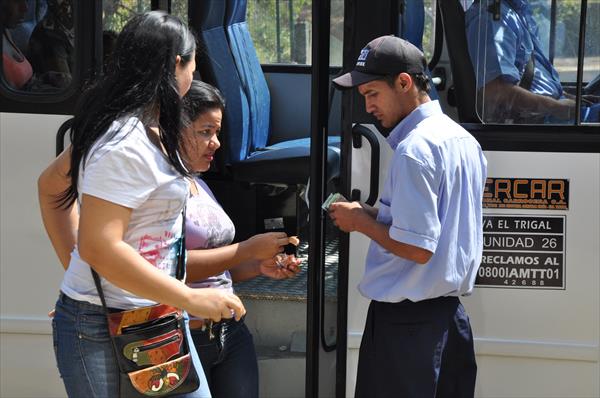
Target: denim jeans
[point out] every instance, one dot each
(84, 352)
(229, 359)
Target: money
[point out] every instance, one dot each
(332, 198)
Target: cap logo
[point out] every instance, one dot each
(362, 57)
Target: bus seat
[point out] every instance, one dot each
(463, 75)
(412, 28)
(250, 72)
(284, 162)
(217, 67)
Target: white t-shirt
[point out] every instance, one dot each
(127, 169)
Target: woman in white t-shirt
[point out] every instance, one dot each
(125, 172)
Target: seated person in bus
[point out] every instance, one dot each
(16, 68)
(226, 349)
(515, 79)
(52, 44)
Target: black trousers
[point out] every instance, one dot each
(423, 349)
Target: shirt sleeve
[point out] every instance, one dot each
(413, 207)
(123, 174)
(493, 44)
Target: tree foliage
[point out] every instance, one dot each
(116, 13)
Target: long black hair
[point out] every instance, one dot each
(139, 81)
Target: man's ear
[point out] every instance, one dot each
(403, 82)
(178, 60)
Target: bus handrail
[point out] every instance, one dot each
(60, 135)
(359, 131)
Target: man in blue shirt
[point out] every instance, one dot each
(515, 79)
(427, 235)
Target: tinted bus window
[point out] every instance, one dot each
(38, 44)
(525, 61)
(115, 14)
(179, 8)
(281, 31)
(591, 64)
(429, 28)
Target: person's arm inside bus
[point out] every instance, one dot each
(351, 216)
(501, 94)
(61, 224)
(102, 226)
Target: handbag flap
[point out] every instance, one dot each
(122, 319)
(161, 379)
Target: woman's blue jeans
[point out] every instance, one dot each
(84, 352)
(229, 359)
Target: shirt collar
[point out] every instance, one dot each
(407, 124)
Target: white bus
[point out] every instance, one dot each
(289, 141)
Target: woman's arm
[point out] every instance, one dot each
(102, 225)
(203, 263)
(282, 266)
(61, 223)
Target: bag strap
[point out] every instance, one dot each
(179, 272)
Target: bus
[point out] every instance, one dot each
(289, 140)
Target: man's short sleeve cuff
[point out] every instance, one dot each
(410, 238)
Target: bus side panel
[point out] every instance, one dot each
(540, 340)
(30, 271)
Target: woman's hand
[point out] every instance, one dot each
(265, 246)
(282, 266)
(215, 304)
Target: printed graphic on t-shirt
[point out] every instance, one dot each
(208, 226)
(211, 222)
(159, 250)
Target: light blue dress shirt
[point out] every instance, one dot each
(432, 199)
(503, 48)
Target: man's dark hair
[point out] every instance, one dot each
(421, 80)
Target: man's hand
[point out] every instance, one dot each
(348, 216)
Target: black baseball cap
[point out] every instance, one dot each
(385, 55)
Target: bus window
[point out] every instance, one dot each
(525, 73)
(281, 31)
(38, 44)
(429, 28)
(591, 65)
(179, 8)
(115, 14)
